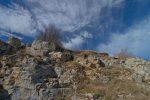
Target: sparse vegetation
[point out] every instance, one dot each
(124, 53)
(82, 76)
(50, 34)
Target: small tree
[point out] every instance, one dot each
(50, 34)
(124, 54)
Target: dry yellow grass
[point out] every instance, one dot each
(89, 52)
(114, 71)
(114, 90)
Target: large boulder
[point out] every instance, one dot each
(14, 42)
(40, 48)
(34, 52)
(43, 45)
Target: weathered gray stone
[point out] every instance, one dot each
(59, 71)
(90, 60)
(138, 77)
(14, 42)
(42, 45)
(147, 78)
(63, 56)
(34, 52)
(42, 72)
(49, 74)
(40, 48)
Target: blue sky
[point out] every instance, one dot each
(101, 25)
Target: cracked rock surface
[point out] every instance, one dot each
(39, 72)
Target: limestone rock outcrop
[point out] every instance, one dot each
(40, 48)
(40, 72)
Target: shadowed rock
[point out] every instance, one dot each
(4, 93)
(43, 72)
(14, 42)
(5, 48)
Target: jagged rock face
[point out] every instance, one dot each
(14, 42)
(4, 47)
(139, 67)
(41, 73)
(13, 45)
(31, 80)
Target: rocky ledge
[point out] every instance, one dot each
(41, 72)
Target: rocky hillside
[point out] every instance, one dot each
(43, 72)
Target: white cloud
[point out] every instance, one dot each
(136, 40)
(16, 20)
(77, 41)
(86, 34)
(69, 15)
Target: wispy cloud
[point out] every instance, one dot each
(69, 15)
(16, 19)
(77, 41)
(136, 40)
(7, 34)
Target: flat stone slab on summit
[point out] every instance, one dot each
(33, 52)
